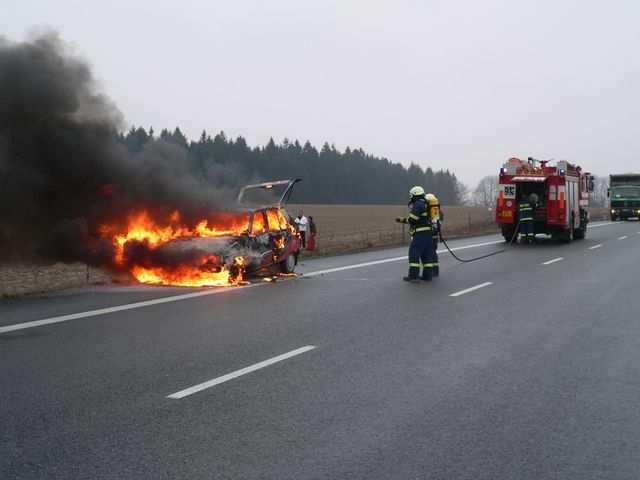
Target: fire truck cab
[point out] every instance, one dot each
(562, 192)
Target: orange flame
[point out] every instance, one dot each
(279, 243)
(189, 276)
(141, 228)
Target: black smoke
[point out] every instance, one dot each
(62, 171)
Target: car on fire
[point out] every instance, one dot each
(261, 237)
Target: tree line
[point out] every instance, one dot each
(329, 175)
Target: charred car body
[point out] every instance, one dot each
(216, 249)
(263, 238)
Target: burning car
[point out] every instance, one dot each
(256, 237)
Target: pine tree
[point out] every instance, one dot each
(330, 176)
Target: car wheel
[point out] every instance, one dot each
(288, 265)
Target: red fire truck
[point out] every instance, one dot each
(563, 197)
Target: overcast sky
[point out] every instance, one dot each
(450, 84)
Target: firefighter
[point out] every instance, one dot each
(435, 213)
(525, 217)
(421, 248)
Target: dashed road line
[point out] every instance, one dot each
(595, 246)
(238, 373)
(471, 289)
(553, 260)
(623, 237)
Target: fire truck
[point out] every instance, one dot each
(563, 197)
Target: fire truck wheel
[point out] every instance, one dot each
(581, 232)
(288, 265)
(566, 236)
(570, 235)
(507, 233)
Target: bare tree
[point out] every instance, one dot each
(463, 194)
(486, 192)
(599, 194)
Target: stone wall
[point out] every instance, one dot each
(19, 279)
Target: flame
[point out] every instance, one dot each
(279, 243)
(259, 226)
(140, 228)
(189, 276)
(276, 219)
(206, 271)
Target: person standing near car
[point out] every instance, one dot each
(311, 241)
(302, 224)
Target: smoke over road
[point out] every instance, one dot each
(62, 171)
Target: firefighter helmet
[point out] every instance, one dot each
(416, 191)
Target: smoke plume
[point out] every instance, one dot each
(62, 171)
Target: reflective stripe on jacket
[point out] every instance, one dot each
(419, 218)
(525, 211)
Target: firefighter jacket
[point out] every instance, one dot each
(525, 211)
(419, 218)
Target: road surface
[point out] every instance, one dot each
(525, 365)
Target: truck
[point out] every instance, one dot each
(562, 190)
(624, 196)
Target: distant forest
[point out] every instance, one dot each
(329, 176)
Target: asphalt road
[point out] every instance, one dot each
(346, 374)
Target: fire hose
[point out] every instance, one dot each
(469, 260)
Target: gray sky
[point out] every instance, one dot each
(451, 84)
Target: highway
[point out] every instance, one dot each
(525, 365)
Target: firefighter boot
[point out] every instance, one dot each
(411, 279)
(427, 273)
(436, 270)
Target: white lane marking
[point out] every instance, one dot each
(595, 246)
(603, 224)
(471, 289)
(238, 373)
(186, 296)
(393, 259)
(119, 308)
(622, 237)
(356, 265)
(554, 260)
